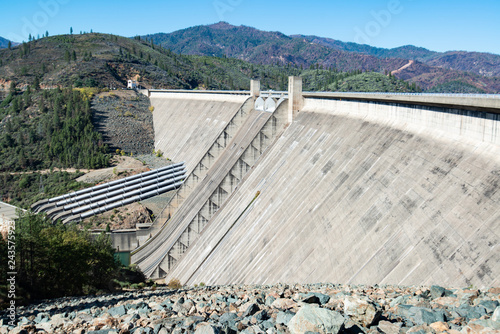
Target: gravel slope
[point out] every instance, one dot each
(124, 120)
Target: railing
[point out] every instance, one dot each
(488, 96)
(285, 93)
(232, 92)
(272, 93)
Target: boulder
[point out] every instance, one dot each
(421, 329)
(361, 310)
(387, 327)
(419, 315)
(489, 305)
(284, 303)
(440, 326)
(251, 310)
(205, 328)
(118, 311)
(284, 317)
(496, 315)
(480, 327)
(316, 319)
(437, 291)
(315, 298)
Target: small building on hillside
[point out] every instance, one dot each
(132, 84)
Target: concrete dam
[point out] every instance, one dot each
(327, 187)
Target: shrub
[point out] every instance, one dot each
(151, 108)
(174, 284)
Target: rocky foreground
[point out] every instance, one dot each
(322, 308)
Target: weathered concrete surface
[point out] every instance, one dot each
(187, 124)
(205, 164)
(362, 193)
(187, 223)
(465, 101)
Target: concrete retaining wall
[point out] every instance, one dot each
(362, 193)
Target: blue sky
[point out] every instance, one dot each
(436, 25)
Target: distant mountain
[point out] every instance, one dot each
(481, 63)
(5, 43)
(486, 64)
(427, 69)
(403, 52)
(263, 47)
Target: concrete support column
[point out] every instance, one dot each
(295, 99)
(255, 88)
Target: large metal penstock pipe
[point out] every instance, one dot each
(120, 195)
(97, 195)
(55, 211)
(131, 200)
(112, 183)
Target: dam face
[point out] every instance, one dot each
(351, 192)
(186, 125)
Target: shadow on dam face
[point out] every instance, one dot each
(362, 193)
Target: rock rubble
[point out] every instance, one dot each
(281, 308)
(124, 120)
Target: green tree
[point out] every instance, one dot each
(12, 88)
(56, 260)
(71, 30)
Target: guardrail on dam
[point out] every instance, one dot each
(358, 188)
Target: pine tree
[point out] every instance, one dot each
(12, 89)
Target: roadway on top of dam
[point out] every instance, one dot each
(475, 102)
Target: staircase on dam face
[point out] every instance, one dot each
(160, 254)
(201, 169)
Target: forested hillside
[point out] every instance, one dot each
(427, 69)
(103, 61)
(49, 128)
